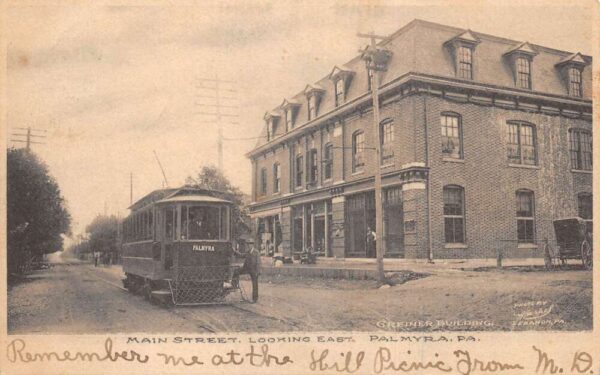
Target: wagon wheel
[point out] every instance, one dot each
(548, 257)
(147, 290)
(587, 255)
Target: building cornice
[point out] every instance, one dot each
(467, 91)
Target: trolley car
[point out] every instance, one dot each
(178, 247)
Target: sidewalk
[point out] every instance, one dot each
(366, 268)
(360, 268)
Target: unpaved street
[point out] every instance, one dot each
(78, 298)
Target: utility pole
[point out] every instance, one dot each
(130, 188)
(28, 134)
(218, 106)
(377, 60)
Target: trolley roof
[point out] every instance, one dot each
(193, 198)
(181, 194)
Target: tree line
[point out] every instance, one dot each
(37, 217)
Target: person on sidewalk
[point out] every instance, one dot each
(96, 258)
(371, 238)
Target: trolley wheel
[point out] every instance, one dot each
(587, 256)
(147, 290)
(548, 257)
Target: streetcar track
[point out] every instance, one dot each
(210, 327)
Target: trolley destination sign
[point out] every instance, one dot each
(197, 247)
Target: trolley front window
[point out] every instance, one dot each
(204, 223)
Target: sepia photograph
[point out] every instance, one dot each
(285, 168)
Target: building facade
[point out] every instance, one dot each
(484, 140)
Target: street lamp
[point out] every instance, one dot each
(377, 60)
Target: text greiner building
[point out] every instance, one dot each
(485, 141)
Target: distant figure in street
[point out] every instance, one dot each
(96, 258)
(371, 238)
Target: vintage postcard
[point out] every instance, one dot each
(282, 187)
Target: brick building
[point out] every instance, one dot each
(485, 141)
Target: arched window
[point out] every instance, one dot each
(451, 126)
(521, 145)
(525, 216)
(454, 214)
(387, 141)
(358, 151)
(584, 206)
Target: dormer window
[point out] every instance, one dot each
(289, 118)
(340, 92)
(341, 77)
(462, 47)
(523, 72)
(571, 69)
(520, 59)
(271, 120)
(289, 108)
(465, 62)
(313, 97)
(369, 78)
(312, 107)
(574, 81)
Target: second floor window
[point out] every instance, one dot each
(387, 141)
(263, 181)
(299, 167)
(523, 73)
(465, 62)
(358, 151)
(454, 214)
(525, 217)
(521, 145)
(340, 94)
(574, 81)
(581, 149)
(276, 178)
(328, 162)
(451, 136)
(312, 165)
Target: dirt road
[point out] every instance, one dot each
(78, 298)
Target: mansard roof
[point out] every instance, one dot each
(466, 37)
(524, 48)
(289, 103)
(574, 58)
(340, 70)
(310, 88)
(416, 51)
(270, 114)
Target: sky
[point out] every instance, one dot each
(112, 84)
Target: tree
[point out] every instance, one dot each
(103, 234)
(212, 178)
(36, 212)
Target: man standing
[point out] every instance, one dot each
(371, 238)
